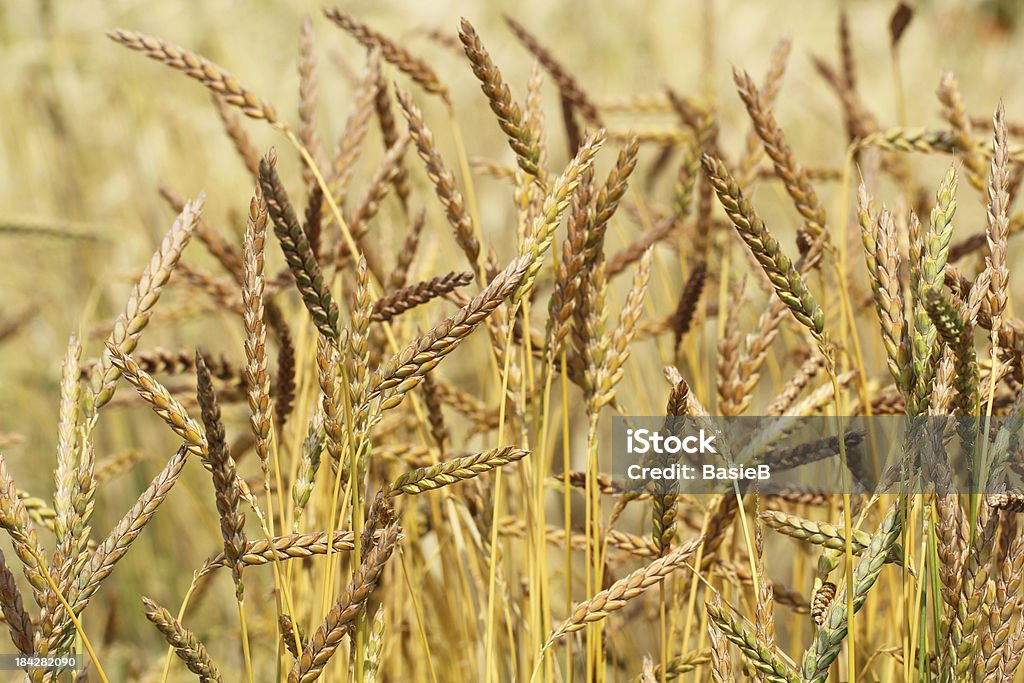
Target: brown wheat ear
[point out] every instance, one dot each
(510, 118)
(400, 301)
(443, 180)
(569, 87)
(413, 67)
(301, 259)
(206, 72)
(225, 477)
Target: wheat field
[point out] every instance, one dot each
(316, 321)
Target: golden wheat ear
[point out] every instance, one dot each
(185, 644)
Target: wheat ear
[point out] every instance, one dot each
(393, 53)
(454, 470)
(520, 138)
(757, 654)
(137, 312)
(161, 401)
(829, 638)
(785, 278)
(184, 642)
(19, 623)
(602, 605)
(301, 260)
(220, 82)
(405, 371)
(342, 617)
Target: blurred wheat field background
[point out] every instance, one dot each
(261, 432)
